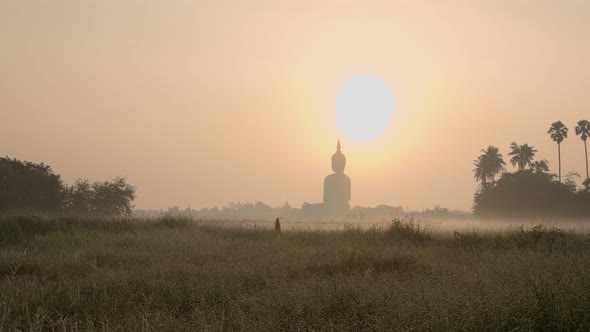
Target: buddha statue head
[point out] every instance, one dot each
(338, 160)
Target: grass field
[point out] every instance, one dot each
(173, 274)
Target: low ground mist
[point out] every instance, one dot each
(434, 225)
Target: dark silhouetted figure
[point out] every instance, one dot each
(277, 226)
(337, 186)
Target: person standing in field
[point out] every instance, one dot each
(277, 226)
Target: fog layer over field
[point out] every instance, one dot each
(435, 225)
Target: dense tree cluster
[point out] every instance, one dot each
(27, 186)
(530, 193)
(531, 190)
(105, 198)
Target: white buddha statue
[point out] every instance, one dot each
(337, 185)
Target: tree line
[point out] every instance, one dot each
(531, 189)
(34, 187)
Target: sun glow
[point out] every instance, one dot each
(364, 108)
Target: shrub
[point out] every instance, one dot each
(410, 231)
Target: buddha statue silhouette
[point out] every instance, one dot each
(337, 186)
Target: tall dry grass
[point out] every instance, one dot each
(179, 274)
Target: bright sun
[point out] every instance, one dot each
(364, 107)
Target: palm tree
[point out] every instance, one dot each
(479, 172)
(540, 166)
(558, 132)
(489, 164)
(495, 161)
(583, 129)
(522, 155)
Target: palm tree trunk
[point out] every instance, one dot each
(559, 158)
(586, 150)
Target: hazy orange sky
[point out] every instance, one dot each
(203, 103)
